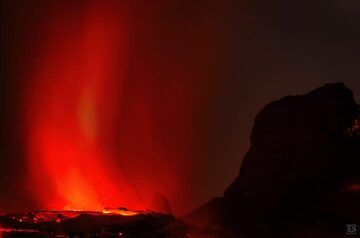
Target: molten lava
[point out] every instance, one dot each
(121, 212)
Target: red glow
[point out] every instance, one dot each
(70, 112)
(114, 103)
(353, 187)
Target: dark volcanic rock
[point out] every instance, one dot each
(301, 172)
(91, 224)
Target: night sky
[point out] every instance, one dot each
(187, 79)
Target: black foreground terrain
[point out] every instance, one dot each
(90, 224)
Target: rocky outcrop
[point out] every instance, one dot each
(301, 171)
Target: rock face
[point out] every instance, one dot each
(301, 172)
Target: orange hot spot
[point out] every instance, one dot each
(122, 212)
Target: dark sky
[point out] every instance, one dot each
(222, 59)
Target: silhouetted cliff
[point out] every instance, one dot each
(300, 175)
